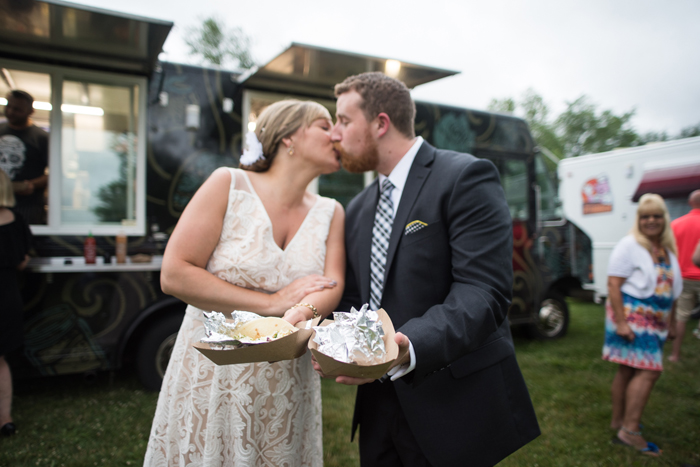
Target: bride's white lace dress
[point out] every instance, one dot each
(257, 414)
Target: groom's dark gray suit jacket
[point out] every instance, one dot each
(448, 288)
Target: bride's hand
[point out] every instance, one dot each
(292, 294)
(295, 315)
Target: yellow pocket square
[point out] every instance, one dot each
(413, 227)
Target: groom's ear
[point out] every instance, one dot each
(382, 122)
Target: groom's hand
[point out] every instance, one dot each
(404, 358)
(350, 381)
(317, 367)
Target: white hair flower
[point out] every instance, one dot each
(254, 150)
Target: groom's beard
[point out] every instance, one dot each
(367, 160)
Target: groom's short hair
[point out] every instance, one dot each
(381, 93)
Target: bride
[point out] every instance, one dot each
(253, 240)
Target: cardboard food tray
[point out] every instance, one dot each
(332, 367)
(285, 348)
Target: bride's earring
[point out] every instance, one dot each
(291, 150)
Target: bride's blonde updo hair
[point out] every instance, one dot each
(281, 120)
(652, 203)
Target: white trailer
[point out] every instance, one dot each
(599, 192)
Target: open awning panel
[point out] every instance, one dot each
(314, 71)
(63, 33)
(674, 182)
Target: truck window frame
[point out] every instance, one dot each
(59, 74)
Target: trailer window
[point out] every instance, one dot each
(549, 205)
(98, 154)
(514, 181)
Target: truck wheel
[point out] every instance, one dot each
(552, 319)
(154, 350)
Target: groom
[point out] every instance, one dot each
(429, 241)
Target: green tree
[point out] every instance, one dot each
(654, 137)
(536, 112)
(585, 131)
(687, 132)
(216, 44)
(580, 129)
(506, 105)
(690, 131)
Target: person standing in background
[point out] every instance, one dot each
(644, 282)
(24, 155)
(686, 229)
(15, 240)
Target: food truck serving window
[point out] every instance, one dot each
(96, 161)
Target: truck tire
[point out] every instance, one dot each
(552, 320)
(155, 348)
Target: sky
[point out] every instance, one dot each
(625, 55)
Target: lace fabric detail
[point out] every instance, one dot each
(247, 254)
(259, 414)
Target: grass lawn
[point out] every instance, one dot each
(65, 421)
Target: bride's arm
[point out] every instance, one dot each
(326, 300)
(197, 233)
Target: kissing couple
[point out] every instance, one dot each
(430, 241)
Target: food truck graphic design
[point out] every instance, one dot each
(132, 139)
(596, 195)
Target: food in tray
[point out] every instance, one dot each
(244, 328)
(265, 329)
(354, 337)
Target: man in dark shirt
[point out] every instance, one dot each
(24, 150)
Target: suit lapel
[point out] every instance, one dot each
(414, 182)
(364, 248)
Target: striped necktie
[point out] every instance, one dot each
(383, 220)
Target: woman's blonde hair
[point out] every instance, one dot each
(7, 195)
(652, 202)
(280, 120)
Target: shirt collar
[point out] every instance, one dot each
(399, 175)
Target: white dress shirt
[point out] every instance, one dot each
(398, 178)
(399, 175)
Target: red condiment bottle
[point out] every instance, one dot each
(90, 249)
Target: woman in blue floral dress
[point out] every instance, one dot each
(644, 280)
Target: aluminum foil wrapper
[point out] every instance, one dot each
(218, 331)
(354, 337)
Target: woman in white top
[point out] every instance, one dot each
(253, 240)
(644, 281)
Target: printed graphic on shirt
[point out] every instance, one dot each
(12, 154)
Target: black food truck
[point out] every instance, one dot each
(131, 139)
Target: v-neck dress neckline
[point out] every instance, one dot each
(269, 220)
